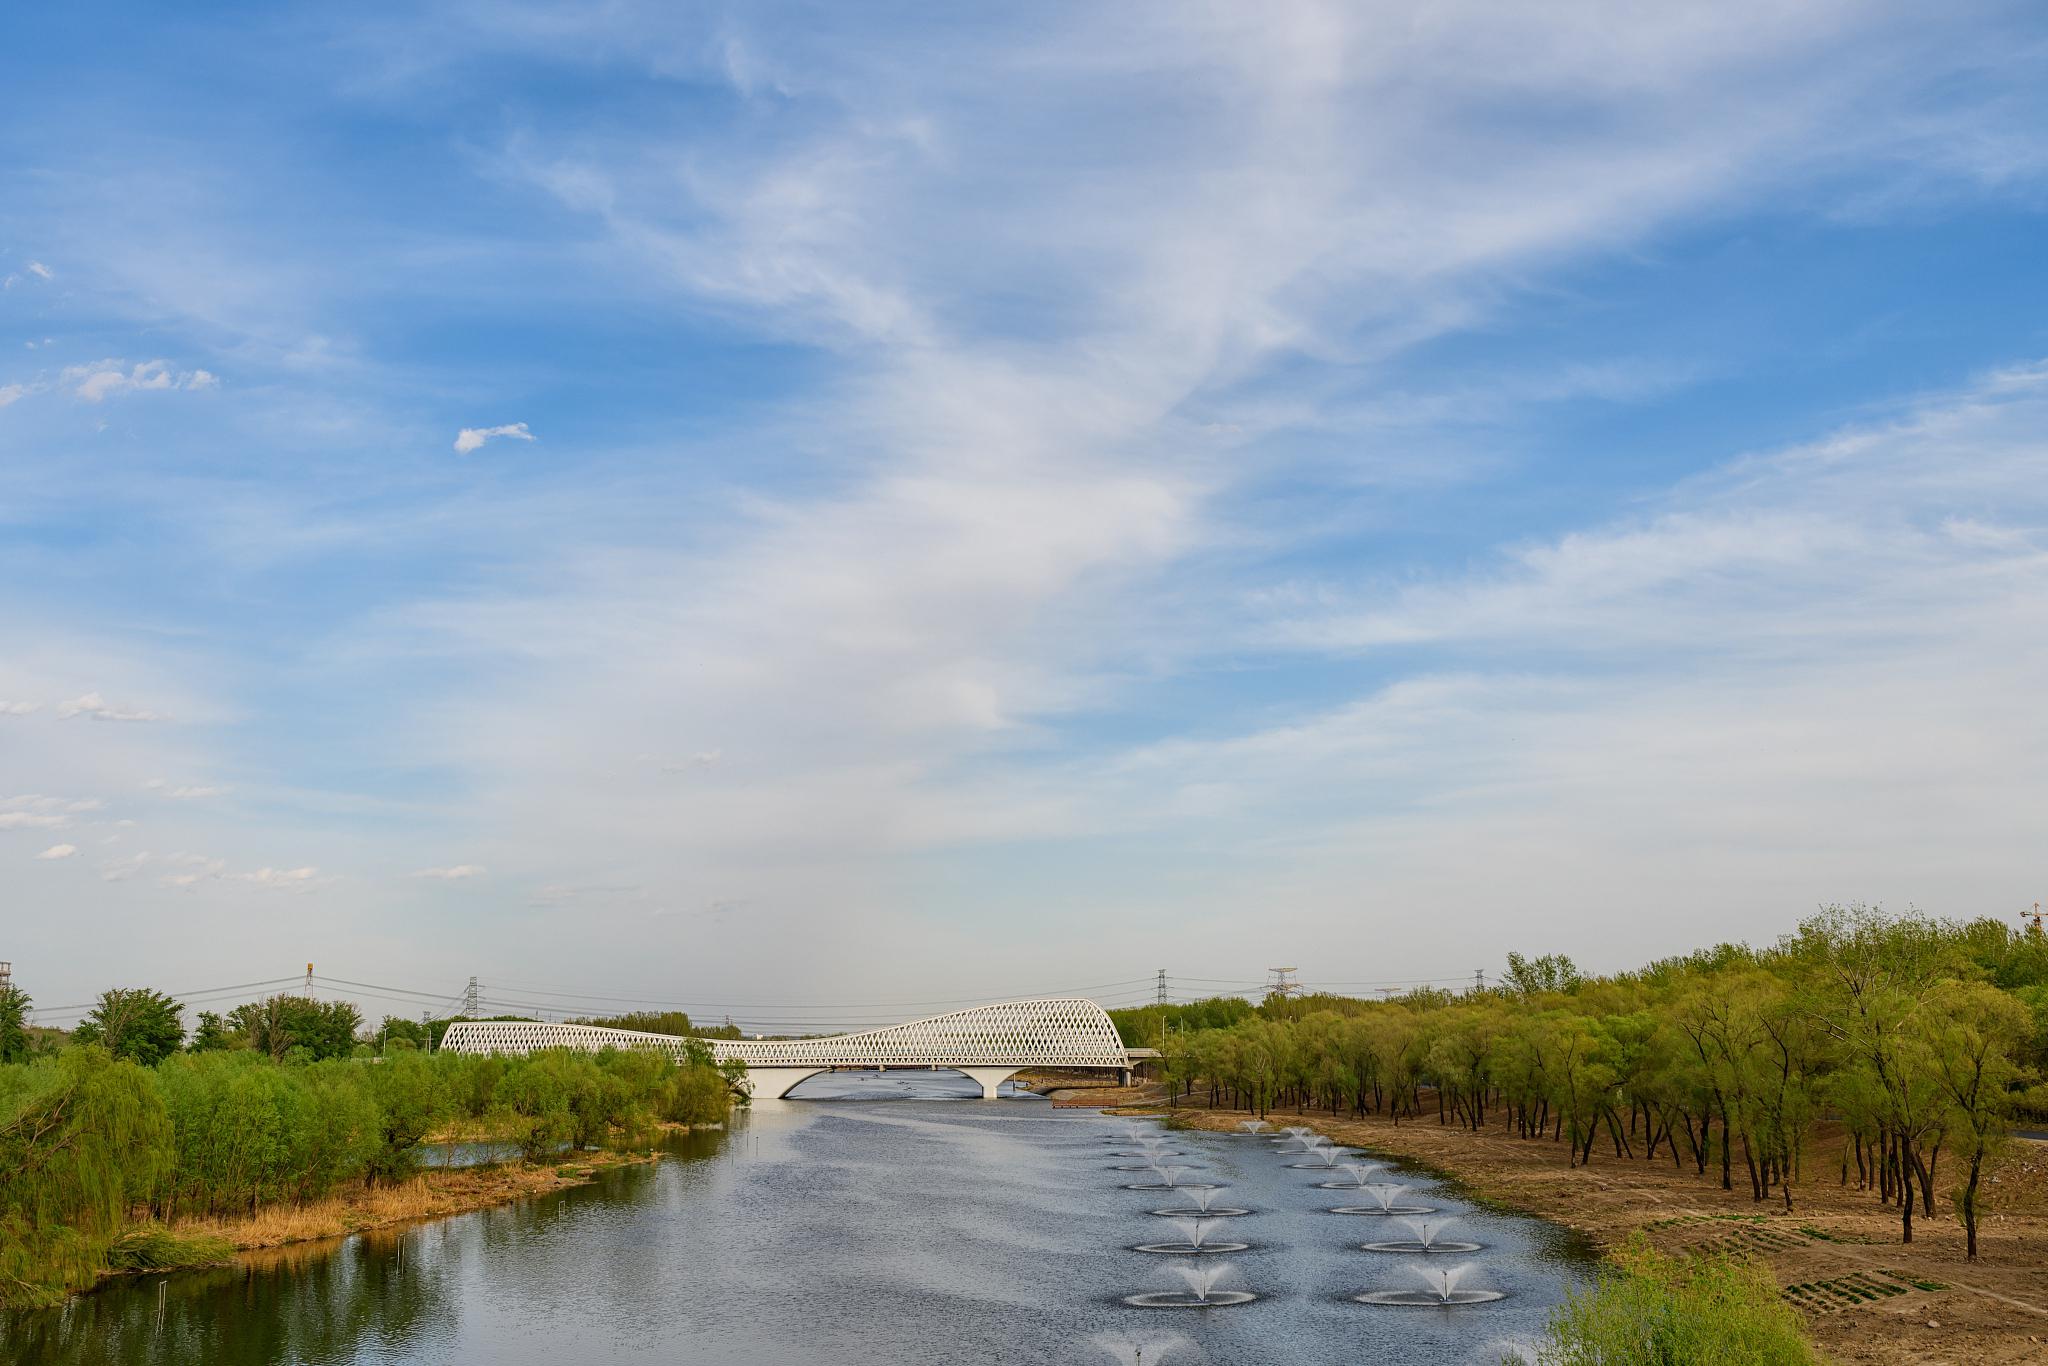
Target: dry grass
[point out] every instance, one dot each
(500, 1128)
(431, 1195)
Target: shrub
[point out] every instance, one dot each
(1677, 1311)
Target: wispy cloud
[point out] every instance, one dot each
(473, 438)
(1047, 467)
(99, 709)
(286, 879)
(182, 793)
(188, 871)
(104, 379)
(58, 851)
(35, 812)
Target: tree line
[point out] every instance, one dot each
(1915, 1040)
(130, 1125)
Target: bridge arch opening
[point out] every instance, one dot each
(902, 1083)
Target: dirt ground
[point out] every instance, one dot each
(1865, 1297)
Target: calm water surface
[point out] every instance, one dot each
(879, 1222)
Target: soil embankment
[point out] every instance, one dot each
(1866, 1298)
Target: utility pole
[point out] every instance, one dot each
(427, 1028)
(309, 979)
(469, 1000)
(1479, 980)
(1162, 986)
(1283, 984)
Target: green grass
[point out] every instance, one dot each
(1913, 1281)
(153, 1247)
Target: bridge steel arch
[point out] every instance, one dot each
(989, 1043)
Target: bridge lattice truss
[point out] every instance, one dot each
(1062, 1031)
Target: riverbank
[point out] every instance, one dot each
(1866, 1298)
(433, 1194)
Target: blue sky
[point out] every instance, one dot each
(975, 502)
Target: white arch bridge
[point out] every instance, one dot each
(990, 1044)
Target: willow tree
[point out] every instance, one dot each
(86, 1143)
(1973, 1040)
(1874, 981)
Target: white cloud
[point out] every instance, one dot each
(452, 874)
(33, 811)
(189, 871)
(99, 709)
(473, 438)
(121, 870)
(57, 851)
(183, 794)
(1014, 535)
(103, 379)
(20, 708)
(289, 879)
(29, 820)
(41, 271)
(192, 869)
(10, 393)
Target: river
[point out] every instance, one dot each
(877, 1222)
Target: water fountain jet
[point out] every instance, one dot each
(1205, 1205)
(1426, 1239)
(1194, 1241)
(1201, 1292)
(1386, 1200)
(1443, 1292)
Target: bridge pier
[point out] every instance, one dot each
(989, 1078)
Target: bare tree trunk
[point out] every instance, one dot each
(1969, 1202)
(1905, 1194)
(1925, 1172)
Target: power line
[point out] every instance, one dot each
(714, 1006)
(182, 997)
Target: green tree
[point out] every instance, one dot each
(647, 1022)
(14, 1040)
(1551, 974)
(135, 1023)
(277, 1025)
(1972, 1049)
(213, 1035)
(88, 1140)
